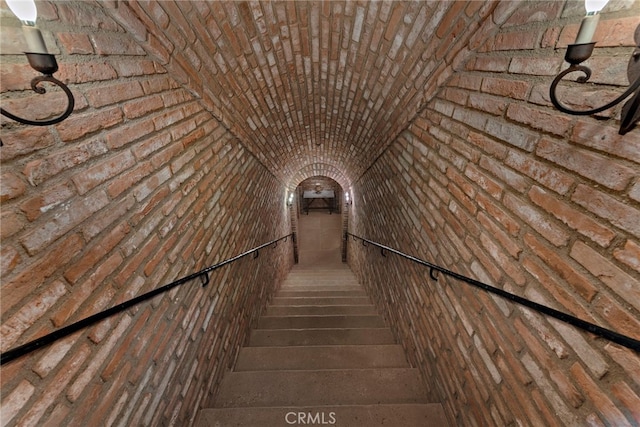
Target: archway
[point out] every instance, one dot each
(321, 223)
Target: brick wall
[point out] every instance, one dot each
(492, 182)
(140, 186)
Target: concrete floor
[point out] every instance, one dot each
(319, 239)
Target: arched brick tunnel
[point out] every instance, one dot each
(195, 120)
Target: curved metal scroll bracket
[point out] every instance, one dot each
(433, 274)
(256, 254)
(41, 90)
(577, 53)
(382, 252)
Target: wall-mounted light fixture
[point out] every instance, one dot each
(290, 200)
(39, 59)
(347, 199)
(581, 50)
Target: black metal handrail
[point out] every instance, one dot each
(24, 349)
(612, 336)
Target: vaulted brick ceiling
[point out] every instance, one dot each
(310, 88)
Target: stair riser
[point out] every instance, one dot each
(311, 388)
(423, 415)
(319, 322)
(313, 294)
(311, 310)
(321, 301)
(284, 337)
(316, 358)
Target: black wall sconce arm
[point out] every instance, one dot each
(46, 64)
(578, 53)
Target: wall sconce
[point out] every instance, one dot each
(581, 50)
(347, 199)
(290, 200)
(39, 59)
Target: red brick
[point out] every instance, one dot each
(16, 400)
(617, 317)
(553, 285)
(56, 386)
(142, 106)
(539, 119)
(515, 89)
(24, 141)
(487, 103)
(130, 22)
(38, 305)
(492, 208)
(114, 44)
(616, 279)
(63, 220)
(44, 168)
(81, 125)
(75, 43)
(126, 180)
(549, 177)
(86, 72)
(9, 259)
(566, 271)
(616, 32)
(626, 395)
(600, 400)
(508, 176)
(83, 291)
(515, 41)
(103, 171)
(11, 186)
(535, 66)
(54, 354)
(48, 199)
(605, 138)
(534, 12)
(575, 219)
(629, 255)
(601, 169)
(76, 388)
(114, 93)
(489, 63)
(619, 214)
(94, 255)
(453, 14)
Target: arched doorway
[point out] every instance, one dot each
(320, 223)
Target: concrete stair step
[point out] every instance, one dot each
(335, 289)
(323, 387)
(320, 357)
(310, 310)
(320, 322)
(356, 292)
(329, 300)
(327, 336)
(398, 415)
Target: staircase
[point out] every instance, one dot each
(322, 356)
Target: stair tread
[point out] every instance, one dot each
(320, 357)
(402, 414)
(319, 321)
(324, 300)
(297, 310)
(321, 336)
(321, 387)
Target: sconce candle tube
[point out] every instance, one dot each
(26, 11)
(587, 28)
(35, 41)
